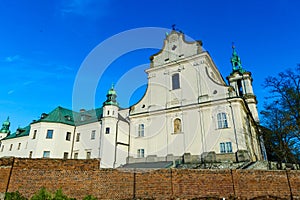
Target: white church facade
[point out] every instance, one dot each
(187, 109)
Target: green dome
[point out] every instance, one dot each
(5, 126)
(111, 97)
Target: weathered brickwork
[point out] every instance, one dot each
(78, 178)
(257, 183)
(202, 183)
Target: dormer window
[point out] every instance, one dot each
(68, 117)
(44, 115)
(175, 81)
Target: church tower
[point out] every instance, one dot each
(109, 128)
(241, 81)
(5, 129)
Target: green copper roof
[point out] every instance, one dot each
(236, 62)
(66, 116)
(21, 132)
(5, 126)
(58, 115)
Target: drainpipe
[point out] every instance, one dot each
(128, 149)
(234, 127)
(100, 142)
(115, 156)
(72, 146)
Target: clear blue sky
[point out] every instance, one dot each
(43, 44)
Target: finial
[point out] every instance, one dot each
(112, 86)
(173, 27)
(236, 61)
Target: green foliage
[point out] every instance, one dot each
(59, 195)
(42, 194)
(14, 196)
(89, 197)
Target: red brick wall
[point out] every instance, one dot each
(202, 183)
(78, 178)
(5, 169)
(256, 183)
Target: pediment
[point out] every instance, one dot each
(175, 48)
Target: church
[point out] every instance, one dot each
(188, 110)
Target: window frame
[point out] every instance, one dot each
(88, 155)
(107, 130)
(68, 136)
(49, 134)
(141, 130)
(46, 154)
(77, 137)
(66, 155)
(93, 135)
(175, 79)
(34, 134)
(76, 155)
(222, 121)
(141, 153)
(226, 147)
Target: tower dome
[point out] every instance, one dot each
(5, 126)
(111, 97)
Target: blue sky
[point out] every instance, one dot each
(44, 43)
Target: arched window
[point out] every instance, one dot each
(177, 126)
(222, 120)
(175, 81)
(141, 130)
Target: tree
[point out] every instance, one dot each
(281, 117)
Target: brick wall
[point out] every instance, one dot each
(78, 178)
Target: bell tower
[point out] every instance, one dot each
(4, 131)
(241, 81)
(109, 126)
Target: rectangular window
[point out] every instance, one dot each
(2, 148)
(19, 146)
(49, 134)
(77, 137)
(225, 147)
(46, 154)
(222, 147)
(175, 81)
(11, 146)
(141, 130)
(66, 155)
(228, 147)
(222, 120)
(30, 154)
(75, 155)
(68, 136)
(93, 134)
(107, 130)
(88, 155)
(34, 134)
(140, 153)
